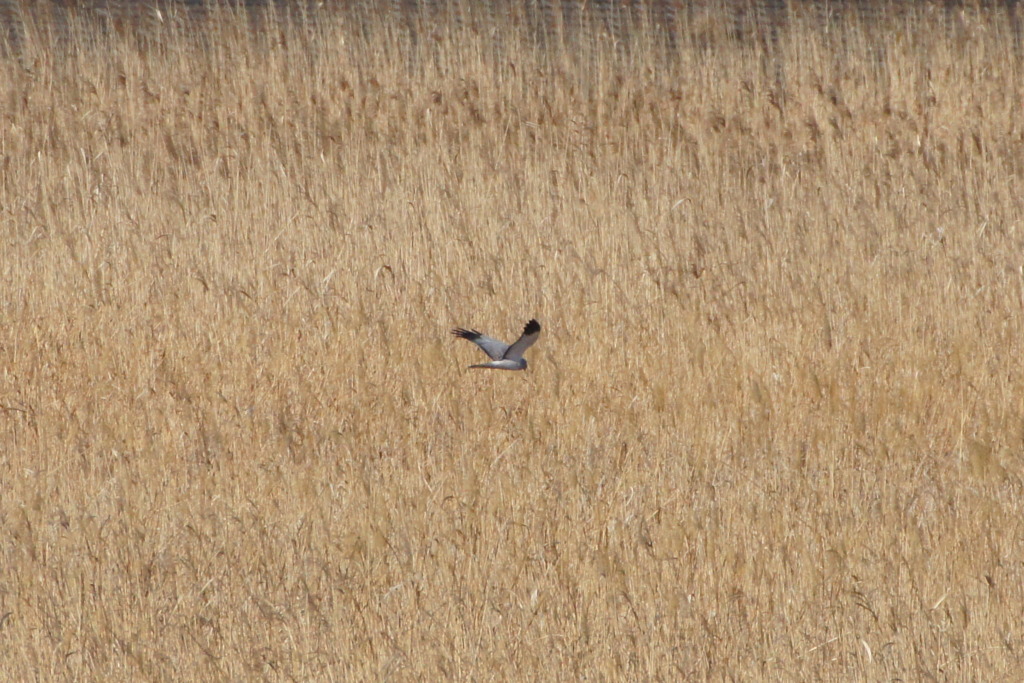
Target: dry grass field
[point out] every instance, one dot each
(773, 428)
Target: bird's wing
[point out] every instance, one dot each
(530, 334)
(492, 347)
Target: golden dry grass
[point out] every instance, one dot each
(773, 428)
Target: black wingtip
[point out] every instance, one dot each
(531, 327)
(466, 334)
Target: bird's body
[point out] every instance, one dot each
(503, 356)
(503, 364)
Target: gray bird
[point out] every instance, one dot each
(504, 357)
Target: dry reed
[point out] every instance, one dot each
(773, 428)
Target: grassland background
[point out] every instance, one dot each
(772, 430)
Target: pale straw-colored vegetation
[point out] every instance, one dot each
(773, 429)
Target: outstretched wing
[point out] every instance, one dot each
(530, 334)
(492, 347)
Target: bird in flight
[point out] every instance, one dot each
(503, 356)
